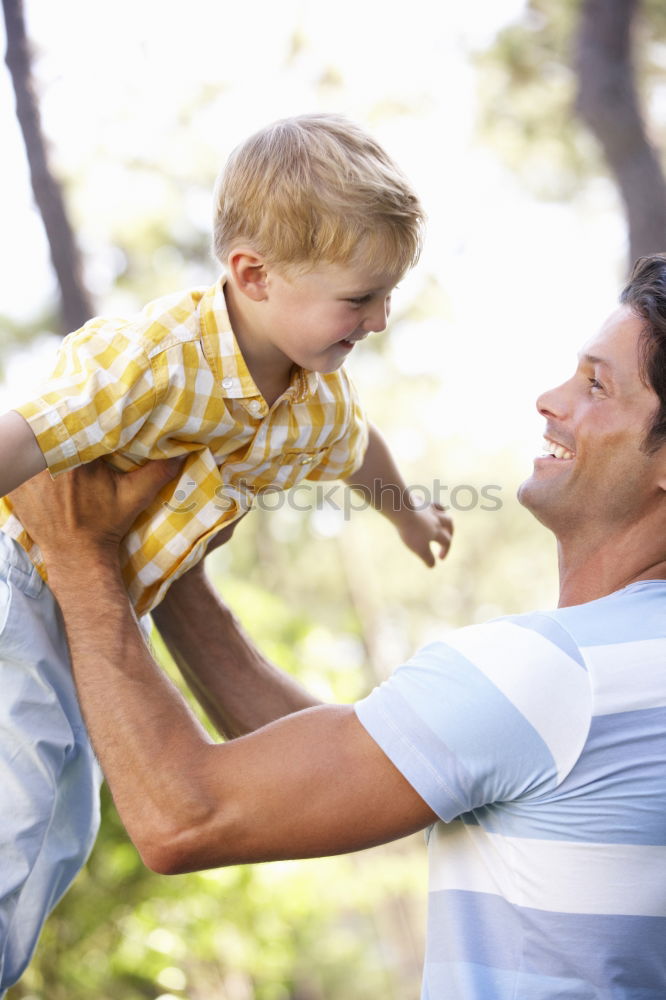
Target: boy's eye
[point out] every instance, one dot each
(360, 301)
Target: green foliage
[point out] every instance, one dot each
(338, 611)
(15, 334)
(527, 91)
(334, 599)
(270, 931)
(317, 929)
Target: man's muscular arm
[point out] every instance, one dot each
(310, 783)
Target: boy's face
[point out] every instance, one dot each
(314, 319)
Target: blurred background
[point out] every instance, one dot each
(532, 131)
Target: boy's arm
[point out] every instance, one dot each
(236, 686)
(20, 455)
(380, 482)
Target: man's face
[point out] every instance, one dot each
(314, 319)
(594, 476)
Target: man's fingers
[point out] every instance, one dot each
(92, 504)
(144, 483)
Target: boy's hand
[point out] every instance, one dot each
(91, 506)
(419, 528)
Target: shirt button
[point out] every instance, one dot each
(227, 383)
(306, 459)
(255, 405)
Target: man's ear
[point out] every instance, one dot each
(248, 270)
(661, 472)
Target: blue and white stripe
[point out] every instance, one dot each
(540, 741)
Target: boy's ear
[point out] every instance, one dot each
(249, 273)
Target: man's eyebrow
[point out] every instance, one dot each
(592, 359)
(612, 374)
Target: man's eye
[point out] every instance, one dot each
(595, 383)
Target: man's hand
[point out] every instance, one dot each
(92, 506)
(419, 528)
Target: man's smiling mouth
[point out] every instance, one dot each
(557, 450)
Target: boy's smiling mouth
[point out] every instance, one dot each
(351, 341)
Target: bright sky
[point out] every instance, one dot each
(526, 282)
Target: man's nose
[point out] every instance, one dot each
(554, 402)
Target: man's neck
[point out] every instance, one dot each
(598, 568)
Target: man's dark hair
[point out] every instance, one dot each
(645, 293)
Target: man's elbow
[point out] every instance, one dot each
(190, 845)
(162, 857)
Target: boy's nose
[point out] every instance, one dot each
(377, 317)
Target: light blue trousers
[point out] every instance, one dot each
(49, 778)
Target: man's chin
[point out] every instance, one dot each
(523, 493)
(531, 495)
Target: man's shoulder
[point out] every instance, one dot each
(502, 696)
(633, 614)
(516, 646)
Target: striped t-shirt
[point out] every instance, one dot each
(540, 742)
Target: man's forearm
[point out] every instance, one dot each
(236, 686)
(147, 739)
(310, 783)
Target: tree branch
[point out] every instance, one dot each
(76, 305)
(608, 102)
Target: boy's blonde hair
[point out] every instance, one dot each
(316, 189)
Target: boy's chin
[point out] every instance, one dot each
(328, 367)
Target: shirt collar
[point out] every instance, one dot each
(304, 384)
(224, 356)
(220, 346)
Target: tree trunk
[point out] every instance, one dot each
(608, 102)
(76, 304)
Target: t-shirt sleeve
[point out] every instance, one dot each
(347, 452)
(100, 393)
(497, 712)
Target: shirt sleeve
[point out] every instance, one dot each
(495, 713)
(100, 393)
(347, 452)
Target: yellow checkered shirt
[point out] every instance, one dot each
(173, 381)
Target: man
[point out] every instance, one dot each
(532, 747)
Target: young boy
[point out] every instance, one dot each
(314, 227)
